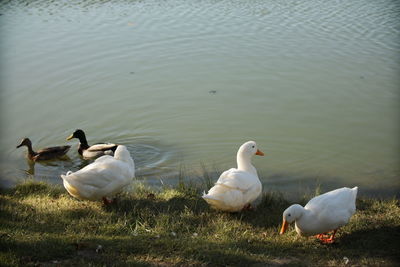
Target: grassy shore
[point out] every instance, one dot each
(41, 225)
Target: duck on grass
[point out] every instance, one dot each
(176, 226)
(42, 225)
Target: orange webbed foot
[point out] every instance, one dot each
(322, 236)
(325, 238)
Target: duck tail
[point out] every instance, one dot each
(215, 203)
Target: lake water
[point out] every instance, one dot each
(185, 83)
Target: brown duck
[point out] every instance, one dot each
(45, 153)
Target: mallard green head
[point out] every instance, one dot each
(79, 134)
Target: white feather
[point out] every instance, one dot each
(105, 177)
(236, 188)
(323, 213)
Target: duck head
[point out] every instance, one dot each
(244, 155)
(249, 149)
(122, 153)
(290, 215)
(79, 134)
(25, 142)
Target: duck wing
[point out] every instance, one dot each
(104, 177)
(102, 147)
(238, 180)
(334, 207)
(54, 150)
(245, 182)
(233, 190)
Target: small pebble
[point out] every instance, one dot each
(99, 248)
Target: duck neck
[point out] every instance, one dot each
(304, 218)
(31, 153)
(244, 163)
(299, 211)
(83, 142)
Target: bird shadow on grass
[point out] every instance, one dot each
(380, 239)
(267, 213)
(157, 205)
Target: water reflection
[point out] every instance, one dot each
(31, 169)
(55, 163)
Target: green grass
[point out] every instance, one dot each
(41, 225)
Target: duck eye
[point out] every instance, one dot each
(252, 146)
(288, 215)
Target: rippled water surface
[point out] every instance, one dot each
(184, 83)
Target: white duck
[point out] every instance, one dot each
(237, 188)
(322, 214)
(103, 178)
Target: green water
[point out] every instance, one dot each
(315, 83)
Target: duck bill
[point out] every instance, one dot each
(259, 153)
(70, 137)
(284, 227)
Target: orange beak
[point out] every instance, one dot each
(284, 227)
(259, 152)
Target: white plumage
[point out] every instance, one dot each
(103, 178)
(323, 213)
(237, 188)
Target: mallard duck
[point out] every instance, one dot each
(103, 178)
(237, 188)
(93, 151)
(322, 214)
(44, 153)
